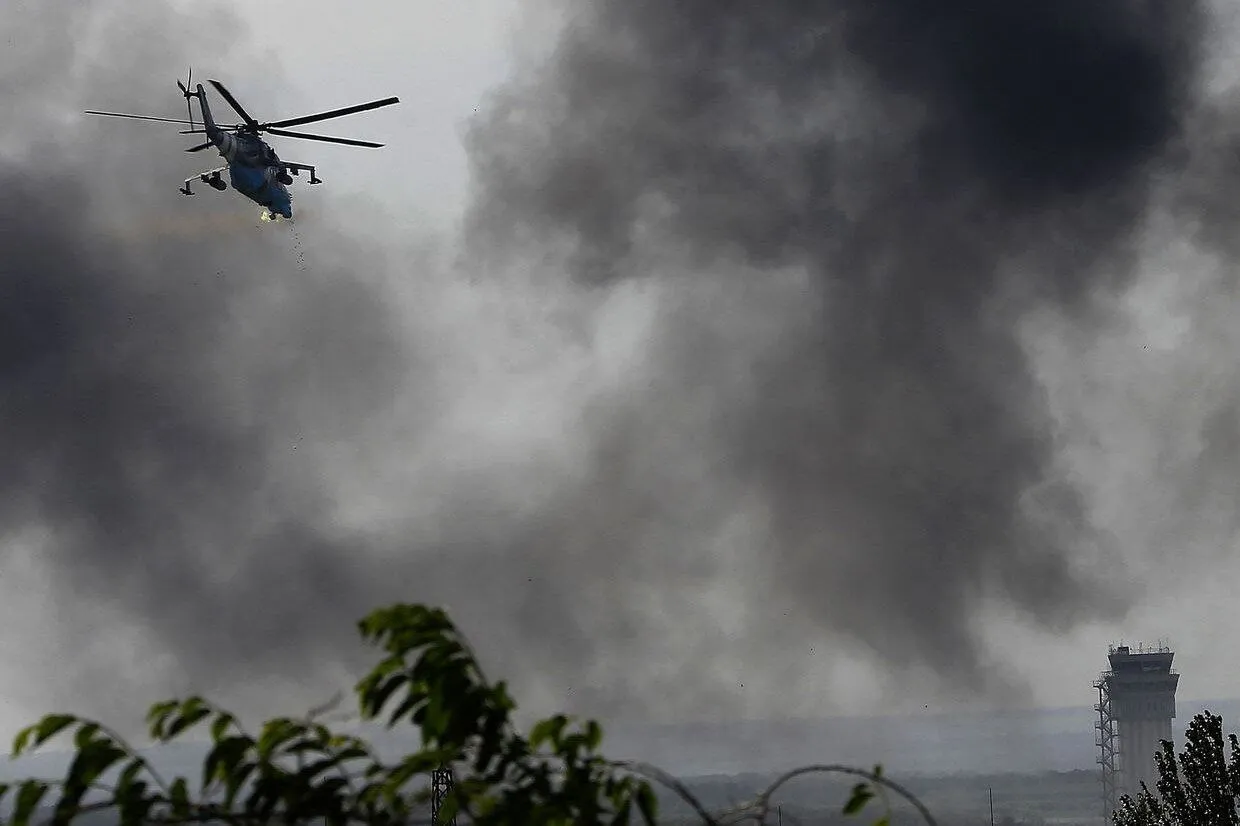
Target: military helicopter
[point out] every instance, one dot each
(252, 165)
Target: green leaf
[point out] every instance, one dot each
(221, 724)
(306, 744)
(861, 794)
(355, 752)
(223, 760)
(594, 735)
(157, 717)
(647, 803)
(310, 771)
(28, 798)
(86, 735)
(623, 814)
(418, 763)
(450, 809)
(52, 725)
(414, 707)
(21, 740)
(236, 781)
(549, 730)
(180, 797)
(274, 734)
(42, 731)
(376, 698)
(129, 774)
(136, 805)
(93, 759)
(192, 712)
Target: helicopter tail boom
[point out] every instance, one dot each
(208, 122)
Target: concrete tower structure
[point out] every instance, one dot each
(1136, 706)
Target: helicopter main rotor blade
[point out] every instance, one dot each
(335, 113)
(346, 141)
(200, 147)
(136, 117)
(232, 101)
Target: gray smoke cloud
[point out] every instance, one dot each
(225, 442)
(932, 171)
(780, 410)
(161, 362)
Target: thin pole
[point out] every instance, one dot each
(992, 805)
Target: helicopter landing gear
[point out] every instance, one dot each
(314, 179)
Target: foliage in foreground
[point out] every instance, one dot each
(1200, 787)
(297, 770)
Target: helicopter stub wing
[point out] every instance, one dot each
(205, 177)
(294, 168)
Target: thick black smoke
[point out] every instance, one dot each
(937, 168)
(825, 426)
(160, 366)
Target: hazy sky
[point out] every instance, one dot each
(607, 420)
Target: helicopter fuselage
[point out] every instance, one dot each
(255, 172)
(254, 169)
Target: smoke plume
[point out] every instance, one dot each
(902, 181)
(781, 404)
(159, 369)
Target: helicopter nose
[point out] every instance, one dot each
(282, 204)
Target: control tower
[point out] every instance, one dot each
(1136, 706)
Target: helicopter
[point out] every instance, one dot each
(254, 168)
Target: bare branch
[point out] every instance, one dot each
(878, 779)
(664, 779)
(331, 705)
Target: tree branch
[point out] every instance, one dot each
(764, 798)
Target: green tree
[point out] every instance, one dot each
(297, 770)
(1200, 787)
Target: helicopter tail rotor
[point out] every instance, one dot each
(185, 90)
